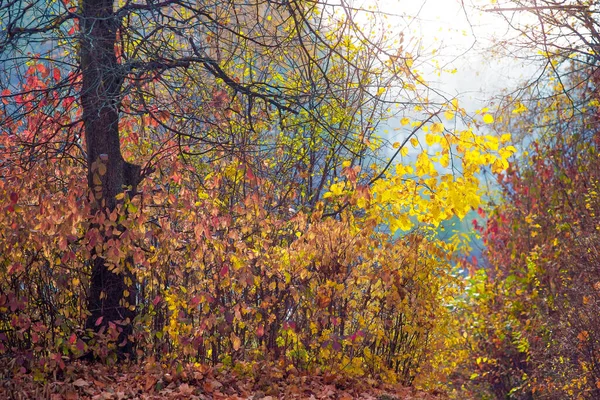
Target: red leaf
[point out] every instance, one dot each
(194, 301)
(176, 177)
(14, 197)
(72, 339)
(250, 175)
(5, 93)
(224, 270)
(15, 267)
(156, 300)
(56, 74)
(98, 321)
(43, 70)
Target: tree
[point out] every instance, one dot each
(96, 67)
(237, 204)
(534, 305)
(559, 37)
(537, 301)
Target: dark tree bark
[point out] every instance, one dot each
(102, 81)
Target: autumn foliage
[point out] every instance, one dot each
(194, 199)
(226, 263)
(530, 316)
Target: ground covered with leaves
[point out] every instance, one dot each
(149, 380)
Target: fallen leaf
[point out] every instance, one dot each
(71, 396)
(81, 383)
(186, 389)
(150, 382)
(211, 385)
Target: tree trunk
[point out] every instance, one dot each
(101, 86)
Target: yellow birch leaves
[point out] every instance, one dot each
(441, 182)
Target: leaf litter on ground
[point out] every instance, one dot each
(150, 380)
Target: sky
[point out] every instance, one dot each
(465, 39)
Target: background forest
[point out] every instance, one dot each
(252, 199)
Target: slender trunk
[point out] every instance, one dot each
(111, 296)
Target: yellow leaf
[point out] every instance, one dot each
(444, 160)
(402, 222)
(405, 121)
(336, 189)
(414, 141)
(449, 115)
(520, 108)
(499, 165)
(361, 202)
(431, 139)
(488, 119)
(437, 128)
(424, 165)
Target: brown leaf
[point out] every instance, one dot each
(71, 396)
(211, 385)
(99, 384)
(103, 396)
(81, 383)
(186, 389)
(150, 382)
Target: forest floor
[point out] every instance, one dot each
(150, 381)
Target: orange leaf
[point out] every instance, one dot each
(236, 342)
